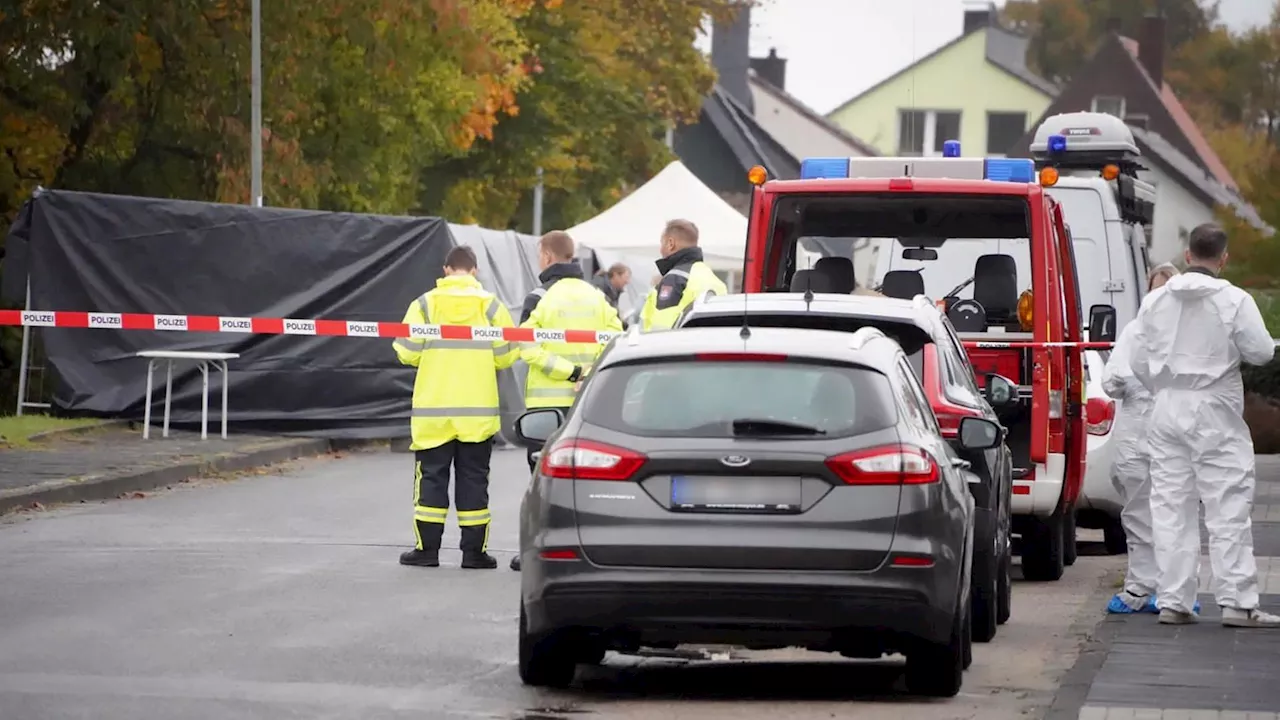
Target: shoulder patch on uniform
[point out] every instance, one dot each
(664, 293)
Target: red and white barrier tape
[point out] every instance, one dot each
(289, 326)
(987, 345)
(353, 328)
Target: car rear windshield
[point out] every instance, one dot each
(689, 398)
(910, 336)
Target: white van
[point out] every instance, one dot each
(1089, 163)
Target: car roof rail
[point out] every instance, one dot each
(632, 335)
(865, 335)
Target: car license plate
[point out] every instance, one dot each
(736, 494)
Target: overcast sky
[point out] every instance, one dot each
(838, 48)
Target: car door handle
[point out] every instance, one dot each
(962, 464)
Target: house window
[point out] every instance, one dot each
(1003, 130)
(923, 132)
(1109, 104)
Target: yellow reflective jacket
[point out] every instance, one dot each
(685, 277)
(564, 302)
(455, 394)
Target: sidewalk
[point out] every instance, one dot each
(1137, 669)
(104, 463)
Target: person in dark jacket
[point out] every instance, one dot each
(612, 282)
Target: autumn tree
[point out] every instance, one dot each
(607, 78)
(1064, 33)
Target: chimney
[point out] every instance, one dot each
(731, 54)
(771, 69)
(1151, 48)
(979, 17)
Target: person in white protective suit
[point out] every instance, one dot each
(1130, 470)
(1193, 334)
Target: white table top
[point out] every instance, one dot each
(186, 355)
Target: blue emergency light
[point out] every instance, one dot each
(826, 167)
(1019, 170)
(1057, 143)
(951, 148)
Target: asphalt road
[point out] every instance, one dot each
(279, 596)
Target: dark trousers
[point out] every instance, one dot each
(470, 462)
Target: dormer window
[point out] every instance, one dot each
(1109, 104)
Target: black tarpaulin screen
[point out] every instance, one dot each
(109, 253)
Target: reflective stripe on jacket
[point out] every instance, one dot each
(685, 278)
(455, 393)
(568, 303)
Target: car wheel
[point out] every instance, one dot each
(1069, 548)
(545, 660)
(1042, 552)
(1004, 593)
(986, 585)
(937, 670)
(1115, 539)
(968, 642)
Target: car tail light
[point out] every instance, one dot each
(559, 554)
(1099, 415)
(740, 357)
(889, 465)
(575, 459)
(949, 417)
(922, 561)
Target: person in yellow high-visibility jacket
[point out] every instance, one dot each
(564, 301)
(685, 277)
(455, 410)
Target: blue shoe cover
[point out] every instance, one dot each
(1117, 606)
(1154, 609)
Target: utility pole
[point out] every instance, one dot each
(255, 133)
(537, 205)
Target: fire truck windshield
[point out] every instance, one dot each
(909, 244)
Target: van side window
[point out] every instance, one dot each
(958, 359)
(918, 404)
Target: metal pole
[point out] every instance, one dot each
(537, 205)
(24, 361)
(255, 139)
(671, 138)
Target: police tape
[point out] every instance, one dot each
(367, 329)
(989, 345)
(289, 326)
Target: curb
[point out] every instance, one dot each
(71, 431)
(1074, 685)
(109, 487)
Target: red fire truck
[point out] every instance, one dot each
(950, 228)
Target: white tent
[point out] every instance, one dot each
(633, 227)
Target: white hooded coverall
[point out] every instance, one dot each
(1130, 470)
(1192, 335)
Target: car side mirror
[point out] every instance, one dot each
(1102, 323)
(979, 434)
(1001, 391)
(535, 426)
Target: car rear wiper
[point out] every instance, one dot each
(761, 426)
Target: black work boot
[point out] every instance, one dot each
(478, 561)
(515, 563)
(421, 558)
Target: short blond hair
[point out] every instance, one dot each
(1163, 270)
(558, 245)
(682, 231)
